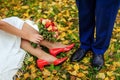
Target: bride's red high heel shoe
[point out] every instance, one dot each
(56, 51)
(41, 63)
(69, 47)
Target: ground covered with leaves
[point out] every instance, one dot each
(65, 14)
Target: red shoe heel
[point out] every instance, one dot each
(56, 51)
(41, 63)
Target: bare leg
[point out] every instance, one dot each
(35, 51)
(48, 44)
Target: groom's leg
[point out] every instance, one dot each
(106, 11)
(86, 10)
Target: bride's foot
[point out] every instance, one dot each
(47, 57)
(58, 45)
(55, 51)
(41, 63)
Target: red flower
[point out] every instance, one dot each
(54, 28)
(47, 24)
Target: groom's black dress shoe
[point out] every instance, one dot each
(78, 55)
(98, 61)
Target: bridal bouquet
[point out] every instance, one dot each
(48, 29)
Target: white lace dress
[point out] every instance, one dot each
(11, 55)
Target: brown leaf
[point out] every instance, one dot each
(83, 67)
(54, 71)
(72, 78)
(73, 72)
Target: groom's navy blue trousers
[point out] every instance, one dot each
(96, 16)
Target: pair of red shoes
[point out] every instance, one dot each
(41, 63)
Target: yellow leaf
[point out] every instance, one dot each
(31, 66)
(75, 37)
(101, 75)
(76, 67)
(81, 74)
(26, 14)
(118, 51)
(56, 78)
(114, 40)
(112, 67)
(26, 75)
(117, 64)
(63, 19)
(62, 35)
(85, 60)
(112, 47)
(62, 39)
(107, 65)
(73, 73)
(106, 78)
(25, 7)
(78, 78)
(61, 29)
(33, 75)
(30, 59)
(67, 13)
(118, 30)
(33, 69)
(112, 78)
(69, 68)
(64, 76)
(110, 73)
(54, 71)
(69, 31)
(46, 72)
(15, 13)
(65, 42)
(85, 72)
(118, 11)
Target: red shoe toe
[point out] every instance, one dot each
(59, 61)
(69, 47)
(56, 51)
(41, 63)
